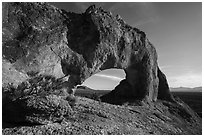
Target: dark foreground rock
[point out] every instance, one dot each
(93, 117)
(36, 109)
(39, 100)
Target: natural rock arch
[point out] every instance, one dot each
(75, 46)
(42, 46)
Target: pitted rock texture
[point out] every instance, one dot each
(41, 39)
(47, 51)
(94, 118)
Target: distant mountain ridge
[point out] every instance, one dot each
(187, 89)
(195, 89)
(83, 88)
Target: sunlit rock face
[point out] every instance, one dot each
(41, 39)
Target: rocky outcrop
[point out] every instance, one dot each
(41, 39)
(48, 51)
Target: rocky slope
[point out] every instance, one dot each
(48, 51)
(98, 118)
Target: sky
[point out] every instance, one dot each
(175, 29)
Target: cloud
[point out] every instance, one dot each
(182, 76)
(186, 80)
(109, 77)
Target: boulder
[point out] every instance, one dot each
(164, 92)
(41, 39)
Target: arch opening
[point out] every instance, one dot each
(105, 80)
(100, 83)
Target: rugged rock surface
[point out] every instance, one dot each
(47, 51)
(41, 39)
(97, 118)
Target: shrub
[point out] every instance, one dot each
(95, 96)
(9, 92)
(72, 100)
(40, 85)
(32, 73)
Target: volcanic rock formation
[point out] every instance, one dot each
(41, 39)
(47, 52)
